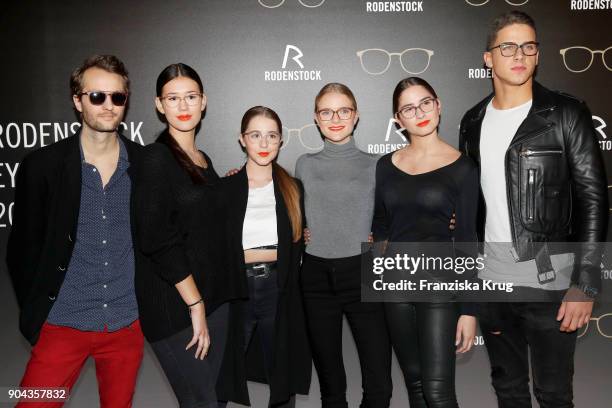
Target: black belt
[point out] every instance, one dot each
(260, 269)
(265, 247)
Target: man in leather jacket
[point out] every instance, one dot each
(542, 181)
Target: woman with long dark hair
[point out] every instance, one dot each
(418, 188)
(339, 201)
(265, 213)
(183, 284)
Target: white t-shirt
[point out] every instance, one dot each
(498, 130)
(259, 227)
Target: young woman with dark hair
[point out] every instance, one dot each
(183, 283)
(265, 226)
(418, 188)
(339, 203)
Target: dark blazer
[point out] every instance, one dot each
(293, 364)
(47, 200)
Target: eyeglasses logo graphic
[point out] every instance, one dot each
(275, 3)
(376, 61)
(578, 59)
(296, 58)
(483, 2)
(604, 326)
(308, 135)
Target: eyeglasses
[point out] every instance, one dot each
(255, 136)
(99, 97)
(409, 112)
(607, 332)
(173, 101)
(310, 4)
(308, 136)
(509, 49)
(325, 115)
(574, 58)
(512, 3)
(376, 61)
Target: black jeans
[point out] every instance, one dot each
(332, 289)
(193, 380)
(260, 313)
(533, 327)
(423, 337)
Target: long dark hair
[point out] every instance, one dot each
(167, 75)
(287, 185)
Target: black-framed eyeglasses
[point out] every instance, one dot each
(509, 49)
(255, 136)
(326, 115)
(99, 97)
(409, 112)
(192, 99)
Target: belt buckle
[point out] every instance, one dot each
(264, 274)
(546, 277)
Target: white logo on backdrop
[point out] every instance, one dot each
(581, 58)
(393, 131)
(400, 131)
(308, 135)
(298, 73)
(275, 4)
(600, 125)
(376, 61)
(482, 3)
(296, 58)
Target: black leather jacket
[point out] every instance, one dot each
(555, 180)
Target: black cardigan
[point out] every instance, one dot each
(179, 233)
(293, 364)
(47, 200)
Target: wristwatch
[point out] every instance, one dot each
(588, 290)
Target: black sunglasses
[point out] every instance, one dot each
(99, 97)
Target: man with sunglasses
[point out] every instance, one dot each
(542, 181)
(70, 252)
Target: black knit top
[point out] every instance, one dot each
(179, 232)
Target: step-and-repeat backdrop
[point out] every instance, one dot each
(279, 53)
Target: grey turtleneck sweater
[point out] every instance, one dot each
(338, 198)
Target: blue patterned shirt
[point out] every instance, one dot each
(98, 290)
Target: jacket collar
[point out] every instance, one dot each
(543, 101)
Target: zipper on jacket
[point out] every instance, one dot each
(509, 200)
(539, 152)
(530, 194)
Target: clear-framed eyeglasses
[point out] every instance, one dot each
(192, 99)
(376, 61)
(604, 326)
(477, 3)
(255, 136)
(278, 3)
(578, 58)
(308, 136)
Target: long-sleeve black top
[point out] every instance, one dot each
(180, 232)
(418, 208)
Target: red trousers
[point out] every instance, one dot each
(59, 355)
